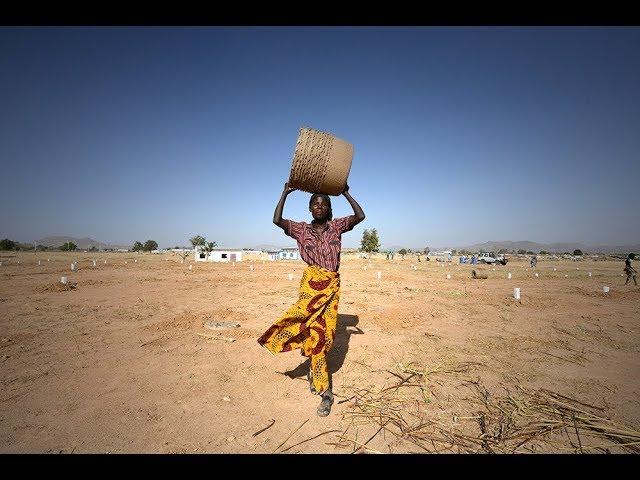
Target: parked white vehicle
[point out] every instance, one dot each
(491, 257)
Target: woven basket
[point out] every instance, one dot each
(321, 163)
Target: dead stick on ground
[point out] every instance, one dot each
(265, 428)
(356, 443)
(373, 436)
(290, 435)
(553, 394)
(399, 384)
(346, 399)
(575, 425)
(308, 439)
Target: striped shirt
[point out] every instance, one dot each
(321, 249)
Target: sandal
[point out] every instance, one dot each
(325, 405)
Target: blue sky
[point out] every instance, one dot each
(461, 135)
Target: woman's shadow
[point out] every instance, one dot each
(345, 327)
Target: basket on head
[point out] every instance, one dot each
(321, 163)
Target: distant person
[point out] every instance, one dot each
(534, 261)
(310, 323)
(629, 270)
(418, 256)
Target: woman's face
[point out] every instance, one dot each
(319, 208)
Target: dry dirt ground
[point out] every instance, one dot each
(124, 363)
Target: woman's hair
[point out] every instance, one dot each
(328, 200)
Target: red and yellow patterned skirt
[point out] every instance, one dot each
(310, 323)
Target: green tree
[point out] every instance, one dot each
(365, 240)
(426, 250)
(521, 251)
(150, 245)
(137, 247)
(370, 241)
(68, 247)
(402, 251)
(502, 251)
(544, 252)
(577, 252)
(198, 240)
(7, 244)
(207, 248)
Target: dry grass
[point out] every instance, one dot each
(526, 420)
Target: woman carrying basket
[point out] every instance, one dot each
(310, 323)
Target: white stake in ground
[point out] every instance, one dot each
(509, 275)
(589, 273)
(605, 289)
(251, 267)
(189, 267)
(63, 280)
(94, 263)
(516, 293)
(448, 276)
(290, 276)
(73, 267)
(536, 274)
(38, 262)
(379, 274)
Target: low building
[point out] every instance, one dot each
(217, 255)
(273, 254)
(289, 254)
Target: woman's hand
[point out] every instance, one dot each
(288, 189)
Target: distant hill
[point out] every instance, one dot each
(494, 246)
(265, 247)
(82, 243)
(549, 247)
